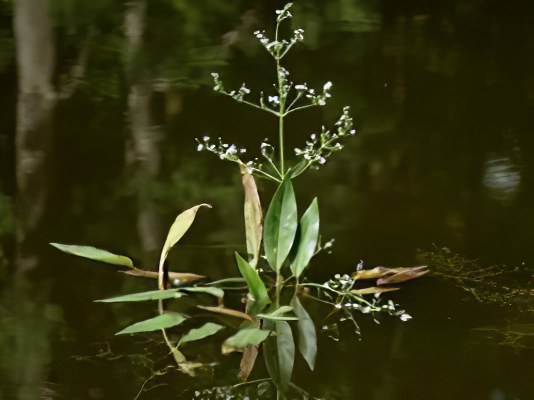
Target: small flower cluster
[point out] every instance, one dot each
(279, 48)
(339, 291)
(320, 147)
(224, 151)
(284, 13)
(238, 95)
(316, 99)
(230, 152)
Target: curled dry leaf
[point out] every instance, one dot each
(403, 276)
(181, 277)
(373, 290)
(227, 311)
(386, 276)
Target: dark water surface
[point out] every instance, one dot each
(442, 94)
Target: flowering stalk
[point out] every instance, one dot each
(287, 99)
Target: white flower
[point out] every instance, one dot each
(327, 86)
(273, 99)
(301, 88)
(200, 147)
(405, 317)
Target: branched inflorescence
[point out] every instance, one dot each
(287, 98)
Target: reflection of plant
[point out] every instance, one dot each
(279, 248)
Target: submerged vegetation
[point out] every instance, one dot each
(280, 247)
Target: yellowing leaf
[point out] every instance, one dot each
(227, 311)
(181, 225)
(253, 217)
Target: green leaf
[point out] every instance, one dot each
(307, 336)
(253, 217)
(144, 296)
(255, 285)
(243, 338)
(279, 352)
(204, 331)
(95, 254)
(280, 225)
(214, 291)
(278, 315)
(162, 321)
(309, 234)
(181, 225)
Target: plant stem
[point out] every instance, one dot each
(281, 137)
(278, 286)
(282, 98)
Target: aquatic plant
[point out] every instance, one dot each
(279, 247)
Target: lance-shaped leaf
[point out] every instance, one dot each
(244, 337)
(253, 217)
(278, 314)
(280, 225)
(279, 352)
(307, 243)
(250, 353)
(227, 311)
(162, 321)
(181, 225)
(95, 254)
(307, 336)
(255, 285)
(144, 296)
(211, 290)
(208, 329)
